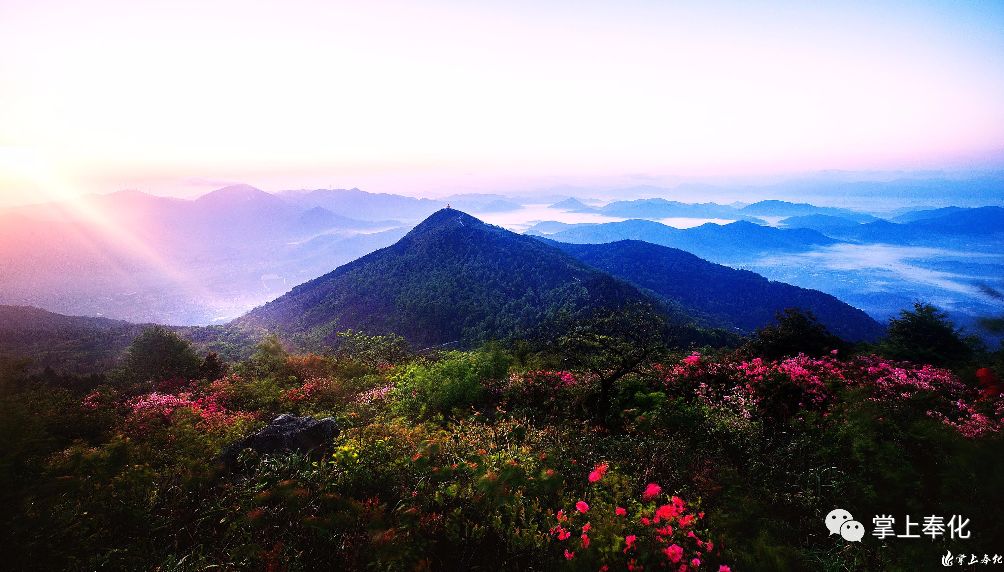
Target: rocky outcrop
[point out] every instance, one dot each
(285, 433)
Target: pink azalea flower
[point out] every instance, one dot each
(651, 491)
(582, 507)
(724, 568)
(674, 552)
(666, 512)
(598, 472)
(569, 555)
(585, 541)
(620, 511)
(561, 532)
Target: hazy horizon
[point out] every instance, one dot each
(799, 187)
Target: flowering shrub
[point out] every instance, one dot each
(374, 395)
(616, 527)
(207, 406)
(541, 391)
(784, 387)
(159, 404)
(306, 391)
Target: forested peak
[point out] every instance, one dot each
(446, 219)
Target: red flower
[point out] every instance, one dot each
(674, 552)
(586, 527)
(666, 512)
(620, 511)
(598, 472)
(724, 568)
(629, 541)
(651, 491)
(569, 555)
(582, 507)
(585, 540)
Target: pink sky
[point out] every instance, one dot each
(434, 97)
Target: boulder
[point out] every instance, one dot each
(286, 433)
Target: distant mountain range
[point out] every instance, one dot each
(658, 208)
(722, 243)
(915, 215)
(930, 227)
(743, 240)
(363, 205)
(775, 208)
(820, 222)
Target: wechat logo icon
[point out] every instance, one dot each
(839, 521)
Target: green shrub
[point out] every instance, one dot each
(455, 381)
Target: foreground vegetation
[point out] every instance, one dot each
(602, 449)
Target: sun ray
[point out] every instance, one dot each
(95, 227)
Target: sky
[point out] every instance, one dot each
(444, 96)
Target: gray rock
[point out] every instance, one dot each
(286, 433)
